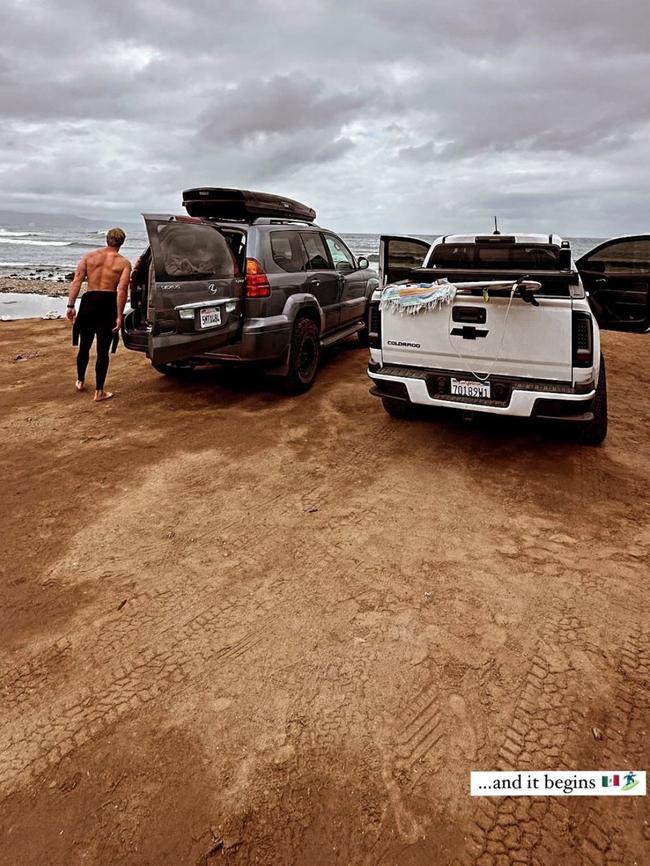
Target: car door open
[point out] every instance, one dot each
(196, 294)
(398, 256)
(616, 274)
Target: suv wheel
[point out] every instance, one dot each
(594, 432)
(396, 408)
(304, 356)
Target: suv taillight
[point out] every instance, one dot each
(583, 340)
(374, 325)
(257, 283)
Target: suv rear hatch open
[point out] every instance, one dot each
(194, 291)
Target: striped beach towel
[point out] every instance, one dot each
(413, 298)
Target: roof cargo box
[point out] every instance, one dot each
(240, 204)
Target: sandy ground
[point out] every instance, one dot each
(244, 628)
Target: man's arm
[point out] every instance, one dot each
(122, 287)
(75, 287)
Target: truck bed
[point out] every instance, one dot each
(555, 284)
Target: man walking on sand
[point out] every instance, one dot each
(100, 308)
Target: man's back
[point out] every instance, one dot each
(101, 307)
(104, 268)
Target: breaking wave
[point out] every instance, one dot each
(10, 233)
(25, 242)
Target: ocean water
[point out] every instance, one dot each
(19, 306)
(27, 251)
(52, 253)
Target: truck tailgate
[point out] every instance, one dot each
(468, 335)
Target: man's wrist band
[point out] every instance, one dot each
(71, 306)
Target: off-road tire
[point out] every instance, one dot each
(304, 357)
(397, 408)
(594, 432)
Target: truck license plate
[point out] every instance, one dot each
(469, 388)
(209, 317)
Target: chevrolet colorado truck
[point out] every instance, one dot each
(520, 333)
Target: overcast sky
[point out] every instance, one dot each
(402, 116)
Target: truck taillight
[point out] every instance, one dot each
(257, 283)
(583, 340)
(374, 325)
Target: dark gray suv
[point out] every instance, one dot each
(251, 279)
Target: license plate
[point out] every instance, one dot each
(469, 388)
(209, 317)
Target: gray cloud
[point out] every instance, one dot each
(417, 116)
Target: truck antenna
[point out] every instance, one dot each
(496, 227)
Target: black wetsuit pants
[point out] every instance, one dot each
(97, 317)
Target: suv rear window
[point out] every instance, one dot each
(534, 257)
(288, 251)
(192, 252)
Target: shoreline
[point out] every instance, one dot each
(23, 286)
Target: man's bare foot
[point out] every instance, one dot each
(79, 385)
(102, 395)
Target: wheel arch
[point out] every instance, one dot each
(304, 306)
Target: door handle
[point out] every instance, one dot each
(315, 282)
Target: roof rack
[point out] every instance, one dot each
(279, 221)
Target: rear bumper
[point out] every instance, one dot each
(261, 340)
(527, 398)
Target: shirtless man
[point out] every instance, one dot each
(101, 307)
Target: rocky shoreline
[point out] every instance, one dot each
(35, 286)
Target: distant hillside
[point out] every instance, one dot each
(19, 219)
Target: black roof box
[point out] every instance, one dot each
(241, 204)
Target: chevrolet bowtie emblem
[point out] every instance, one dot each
(469, 332)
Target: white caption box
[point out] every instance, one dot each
(558, 783)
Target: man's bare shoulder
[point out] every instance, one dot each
(95, 255)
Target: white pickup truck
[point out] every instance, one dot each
(531, 351)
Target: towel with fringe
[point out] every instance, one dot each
(413, 298)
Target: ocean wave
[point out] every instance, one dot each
(25, 242)
(15, 264)
(14, 234)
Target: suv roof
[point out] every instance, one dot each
(264, 221)
(258, 221)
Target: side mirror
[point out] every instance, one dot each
(363, 263)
